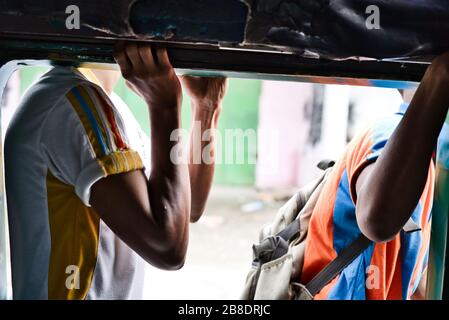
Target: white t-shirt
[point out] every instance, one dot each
(66, 135)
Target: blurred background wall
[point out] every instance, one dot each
(295, 124)
(279, 132)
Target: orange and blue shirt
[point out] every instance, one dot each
(390, 270)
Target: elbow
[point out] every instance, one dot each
(173, 251)
(195, 217)
(169, 259)
(171, 237)
(378, 231)
(173, 261)
(166, 249)
(377, 227)
(196, 214)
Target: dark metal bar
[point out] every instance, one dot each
(251, 64)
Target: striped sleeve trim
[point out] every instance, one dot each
(120, 162)
(112, 123)
(106, 136)
(89, 120)
(113, 163)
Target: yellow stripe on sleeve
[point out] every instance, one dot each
(121, 162)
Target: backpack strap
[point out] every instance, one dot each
(276, 246)
(291, 231)
(346, 256)
(325, 164)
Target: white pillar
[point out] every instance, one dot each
(281, 132)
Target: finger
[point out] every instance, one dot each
(154, 53)
(129, 85)
(132, 87)
(147, 58)
(194, 80)
(220, 84)
(224, 82)
(221, 79)
(119, 46)
(163, 60)
(132, 51)
(123, 62)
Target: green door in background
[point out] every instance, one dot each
(240, 111)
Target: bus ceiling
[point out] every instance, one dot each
(364, 42)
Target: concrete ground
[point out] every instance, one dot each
(219, 255)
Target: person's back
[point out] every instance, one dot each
(387, 270)
(67, 134)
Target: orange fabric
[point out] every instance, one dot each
(386, 257)
(320, 234)
(318, 252)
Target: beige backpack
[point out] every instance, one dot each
(279, 256)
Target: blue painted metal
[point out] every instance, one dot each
(199, 20)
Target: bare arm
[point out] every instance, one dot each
(151, 216)
(206, 97)
(389, 189)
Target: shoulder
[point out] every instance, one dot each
(373, 138)
(39, 102)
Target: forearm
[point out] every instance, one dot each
(390, 194)
(168, 186)
(150, 215)
(202, 152)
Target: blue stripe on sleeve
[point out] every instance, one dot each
(92, 120)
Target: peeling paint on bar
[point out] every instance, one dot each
(337, 28)
(200, 20)
(208, 21)
(332, 29)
